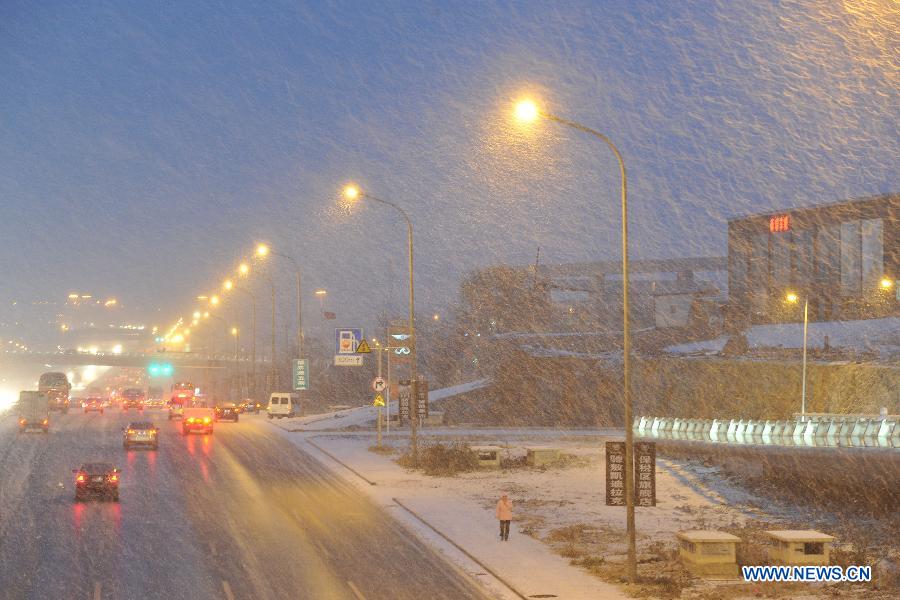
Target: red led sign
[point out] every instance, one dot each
(780, 223)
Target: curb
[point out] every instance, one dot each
(339, 461)
(461, 549)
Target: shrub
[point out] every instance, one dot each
(443, 460)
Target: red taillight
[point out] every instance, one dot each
(81, 478)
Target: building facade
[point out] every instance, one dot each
(844, 258)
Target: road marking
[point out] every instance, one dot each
(356, 591)
(97, 588)
(227, 588)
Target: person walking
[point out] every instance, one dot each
(504, 515)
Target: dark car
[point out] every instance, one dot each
(228, 412)
(96, 480)
(93, 403)
(141, 433)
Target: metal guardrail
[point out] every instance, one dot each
(815, 431)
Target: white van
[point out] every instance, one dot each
(283, 404)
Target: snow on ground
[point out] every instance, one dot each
(869, 335)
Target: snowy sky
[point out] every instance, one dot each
(145, 146)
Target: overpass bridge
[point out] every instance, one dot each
(138, 360)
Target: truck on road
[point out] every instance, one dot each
(34, 411)
(57, 387)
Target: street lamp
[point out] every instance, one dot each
(263, 250)
(527, 111)
(243, 271)
(352, 193)
(794, 298)
(886, 283)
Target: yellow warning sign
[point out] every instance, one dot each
(363, 347)
(379, 400)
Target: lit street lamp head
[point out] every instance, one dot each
(792, 297)
(243, 268)
(321, 292)
(196, 314)
(351, 192)
(228, 285)
(262, 250)
(234, 331)
(214, 300)
(886, 283)
(526, 111)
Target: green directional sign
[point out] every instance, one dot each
(301, 374)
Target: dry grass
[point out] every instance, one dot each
(442, 460)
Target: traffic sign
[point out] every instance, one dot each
(346, 340)
(363, 347)
(379, 400)
(355, 360)
(301, 374)
(378, 384)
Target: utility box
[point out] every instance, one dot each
(709, 553)
(800, 547)
(536, 456)
(488, 456)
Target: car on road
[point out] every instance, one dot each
(283, 404)
(96, 480)
(34, 413)
(140, 433)
(133, 398)
(250, 406)
(197, 419)
(226, 412)
(93, 403)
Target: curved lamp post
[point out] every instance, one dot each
(527, 111)
(353, 193)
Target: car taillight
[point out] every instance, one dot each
(44, 422)
(114, 477)
(206, 419)
(22, 421)
(80, 478)
(130, 432)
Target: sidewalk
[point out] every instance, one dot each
(525, 567)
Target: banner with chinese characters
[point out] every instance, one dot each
(644, 474)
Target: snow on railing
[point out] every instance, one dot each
(815, 431)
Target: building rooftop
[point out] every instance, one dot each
(800, 535)
(703, 535)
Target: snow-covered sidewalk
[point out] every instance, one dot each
(523, 567)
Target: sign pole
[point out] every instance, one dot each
(387, 405)
(379, 407)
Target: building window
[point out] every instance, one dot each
(803, 257)
(872, 248)
(759, 273)
(781, 260)
(813, 548)
(851, 271)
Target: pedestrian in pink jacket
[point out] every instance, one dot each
(504, 515)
